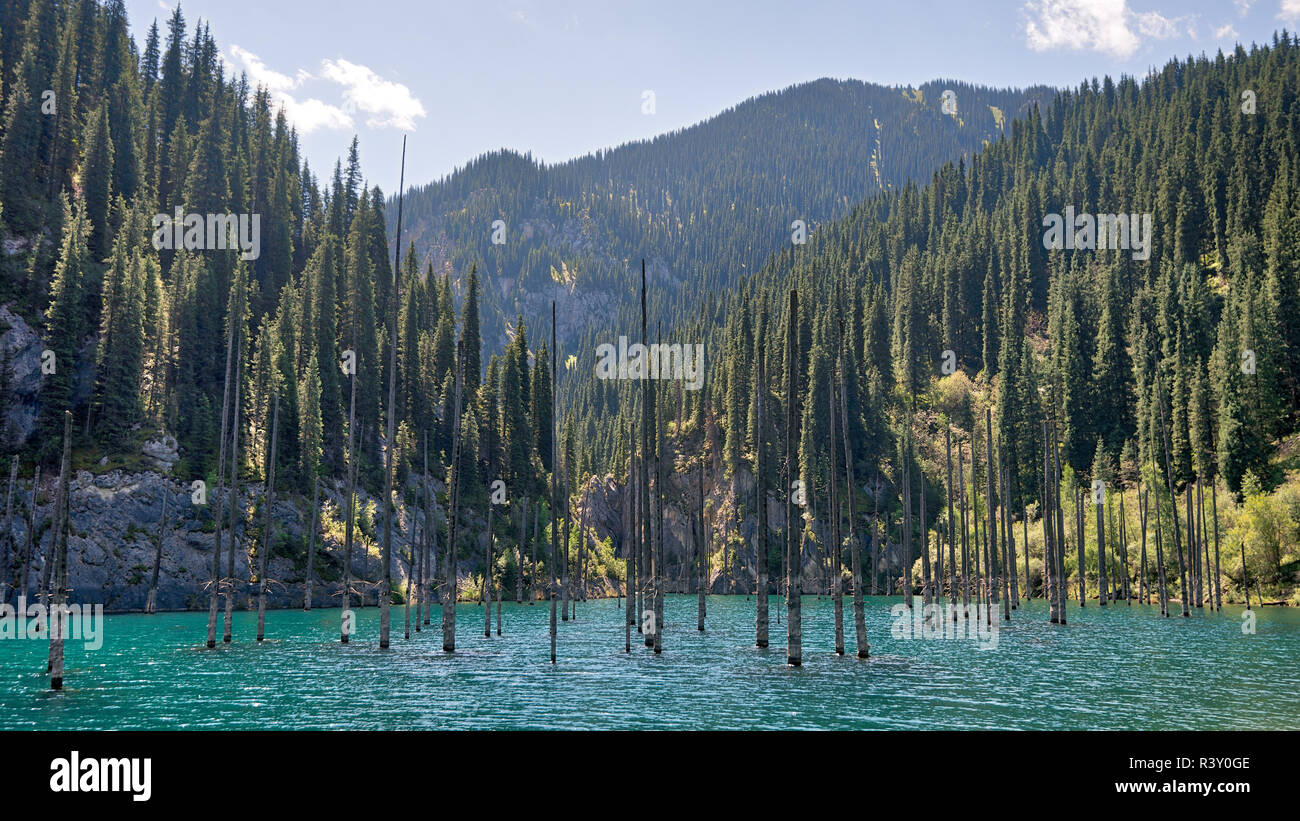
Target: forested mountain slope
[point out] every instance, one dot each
(1194, 339)
(705, 205)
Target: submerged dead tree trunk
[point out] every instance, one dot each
(390, 440)
(59, 539)
(268, 529)
(1049, 551)
(215, 582)
(311, 543)
(487, 575)
(349, 508)
(234, 506)
(555, 490)
(632, 542)
(1218, 578)
(951, 531)
(519, 552)
(7, 534)
(703, 543)
(837, 588)
(451, 567)
(1142, 557)
(29, 543)
(1099, 502)
(1173, 500)
(761, 616)
(859, 609)
(794, 560)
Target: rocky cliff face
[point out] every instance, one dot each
(115, 521)
(22, 346)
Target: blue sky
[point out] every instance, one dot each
(566, 77)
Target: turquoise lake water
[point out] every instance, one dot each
(1119, 667)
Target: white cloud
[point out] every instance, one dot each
(389, 104)
(1098, 25)
(1226, 31)
(261, 75)
(312, 114)
(306, 115)
(1290, 12)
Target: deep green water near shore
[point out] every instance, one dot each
(1119, 667)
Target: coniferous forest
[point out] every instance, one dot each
(233, 383)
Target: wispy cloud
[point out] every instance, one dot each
(389, 104)
(1107, 26)
(1290, 12)
(306, 115)
(1226, 31)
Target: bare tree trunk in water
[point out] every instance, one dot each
(761, 616)
(311, 544)
(1218, 578)
(532, 562)
(1099, 501)
(632, 545)
(555, 487)
(1193, 550)
(659, 570)
(28, 540)
(927, 579)
(1143, 596)
(992, 541)
(1063, 590)
(875, 535)
(59, 539)
(1013, 574)
(268, 529)
(215, 582)
(430, 542)
(1173, 500)
(519, 552)
(7, 535)
(702, 541)
(907, 511)
(234, 508)
(451, 567)
(998, 514)
(794, 551)
(1049, 552)
(150, 605)
(1123, 550)
(1206, 563)
(412, 581)
(951, 531)
(837, 588)
(486, 592)
(350, 511)
(1024, 523)
(965, 544)
(390, 441)
(1079, 495)
(580, 590)
(1245, 580)
(855, 550)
